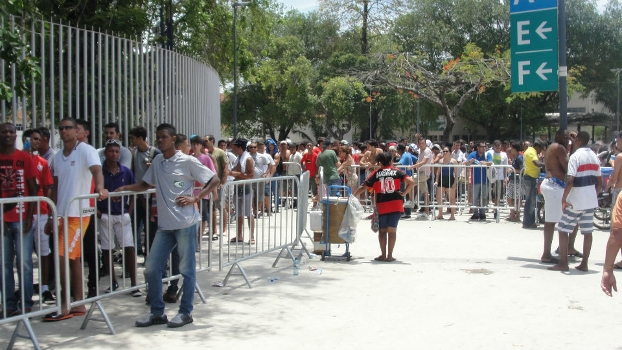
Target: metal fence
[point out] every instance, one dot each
(257, 233)
(103, 78)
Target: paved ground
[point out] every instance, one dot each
(455, 285)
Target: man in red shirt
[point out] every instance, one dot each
(17, 179)
(313, 170)
(42, 240)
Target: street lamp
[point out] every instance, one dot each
(235, 66)
(617, 71)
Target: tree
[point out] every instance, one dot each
(461, 78)
(278, 97)
(342, 105)
(371, 16)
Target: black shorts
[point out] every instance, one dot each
(446, 181)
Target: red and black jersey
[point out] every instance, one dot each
(386, 184)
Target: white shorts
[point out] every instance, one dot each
(553, 194)
(42, 240)
(121, 228)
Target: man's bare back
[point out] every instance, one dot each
(556, 161)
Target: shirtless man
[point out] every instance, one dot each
(552, 188)
(369, 158)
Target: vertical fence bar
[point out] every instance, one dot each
(106, 76)
(43, 80)
(3, 76)
(33, 85)
(69, 72)
(123, 120)
(61, 74)
(14, 97)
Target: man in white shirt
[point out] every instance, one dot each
(264, 167)
(76, 167)
(499, 158)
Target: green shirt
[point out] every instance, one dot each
(328, 159)
(221, 162)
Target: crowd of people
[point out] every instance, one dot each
(188, 173)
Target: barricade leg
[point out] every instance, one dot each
(106, 319)
(31, 335)
(248, 282)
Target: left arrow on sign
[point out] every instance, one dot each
(541, 30)
(541, 71)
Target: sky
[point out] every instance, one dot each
(300, 5)
(308, 5)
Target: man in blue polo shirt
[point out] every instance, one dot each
(480, 180)
(114, 217)
(406, 159)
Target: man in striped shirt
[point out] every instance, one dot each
(580, 197)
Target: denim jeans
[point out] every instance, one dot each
(480, 197)
(165, 241)
(334, 191)
(274, 188)
(529, 190)
(22, 245)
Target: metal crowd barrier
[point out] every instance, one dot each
(17, 254)
(494, 188)
(124, 288)
(255, 234)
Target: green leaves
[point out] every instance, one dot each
(17, 53)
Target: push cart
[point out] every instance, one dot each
(333, 211)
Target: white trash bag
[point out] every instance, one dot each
(354, 212)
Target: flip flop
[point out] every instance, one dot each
(550, 261)
(54, 317)
(390, 260)
(214, 237)
(236, 240)
(576, 255)
(77, 312)
(379, 258)
(252, 241)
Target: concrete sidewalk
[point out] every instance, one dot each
(455, 285)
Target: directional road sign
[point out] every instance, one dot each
(534, 45)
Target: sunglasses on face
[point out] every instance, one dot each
(65, 127)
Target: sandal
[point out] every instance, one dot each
(236, 240)
(252, 241)
(440, 218)
(55, 316)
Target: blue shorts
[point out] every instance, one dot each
(389, 220)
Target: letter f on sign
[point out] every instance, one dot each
(522, 71)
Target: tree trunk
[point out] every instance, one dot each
(449, 126)
(364, 47)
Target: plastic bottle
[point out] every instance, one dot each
(296, 267)
(27, 144)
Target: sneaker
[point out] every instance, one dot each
(474, 217)
(408, 204)
(150, 320)
(136, 293)
(48, 298)
(170, 296)
(422, 217)
(405, 217)
(115, 286)
(482, 218)
(180, 320)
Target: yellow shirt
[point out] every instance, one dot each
(530, 168)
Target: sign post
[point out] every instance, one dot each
(534, 43)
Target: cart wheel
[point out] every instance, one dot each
(323, 256)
